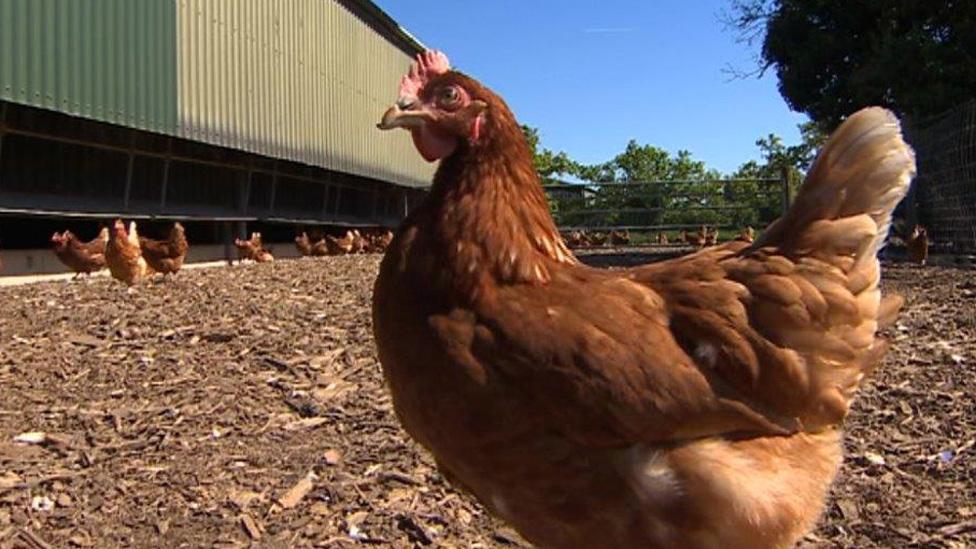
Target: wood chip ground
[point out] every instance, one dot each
(244, 406)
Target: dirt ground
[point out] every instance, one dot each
(244, 406)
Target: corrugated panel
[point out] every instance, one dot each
(110, 60)
(305, 80)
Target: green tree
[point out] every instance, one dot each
(834, 57)
(778, 159)
(548, 164)
(671, 185)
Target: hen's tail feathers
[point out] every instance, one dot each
(843, 210)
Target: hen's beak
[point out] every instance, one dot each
(405, 113)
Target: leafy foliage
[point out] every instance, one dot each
(674, 189)
(834, 57)
(548, 164)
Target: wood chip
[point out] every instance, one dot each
(958, 528)
(86, 341)
(332, 457)
(252, 528)
(31, 437)
(305, 423)
(33, 540)
(9, 480)
(296, 493)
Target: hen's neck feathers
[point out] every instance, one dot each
(490, 212)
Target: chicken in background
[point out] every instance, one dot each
(123, 254)
(264, 255)
(747, 234)
(619, 238)
(320, 247)
(303, 244)
(359, 242)
(253, 249)
(166, 256)
(662, 238)
(577, 239)
(918, 245)
(597, 239)
(81, 257)
(711, 236)
(694, 239)
(340, 246)
(381, 241)
(694, 402)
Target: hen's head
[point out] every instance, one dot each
(444, 109)
(118, 229)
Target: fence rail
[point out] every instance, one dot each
(647, 206)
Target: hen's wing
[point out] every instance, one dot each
(156, 249)
(773, 337)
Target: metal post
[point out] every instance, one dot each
(244, 193)
(128, 172)
(3, 127)
(324, 213)
(785, 177)
(227, 234)
(166, 162)
(406, 206)
(274, 186)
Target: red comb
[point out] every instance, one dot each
(428, 65)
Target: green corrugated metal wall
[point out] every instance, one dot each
(303, 80)
(109, 60)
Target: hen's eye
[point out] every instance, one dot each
(449, 95)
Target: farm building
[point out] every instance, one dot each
(228, 115)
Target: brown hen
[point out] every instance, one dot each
(381, 241)
(253, 249)
(747, 234)
(81, 257)
(620, 238)
(341, 246)
(695, 402)
(123, 254)
(166, 256)
(918, 245)
(695, 239)
(303, 244)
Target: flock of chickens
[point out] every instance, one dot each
(916, 243)
(128, 256)
(131, 258)
(351, 243)
(705, 236)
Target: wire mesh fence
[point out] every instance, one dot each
(943, 198)
(648, 209)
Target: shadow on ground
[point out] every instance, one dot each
(627, 257)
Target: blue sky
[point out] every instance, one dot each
(592, 75)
